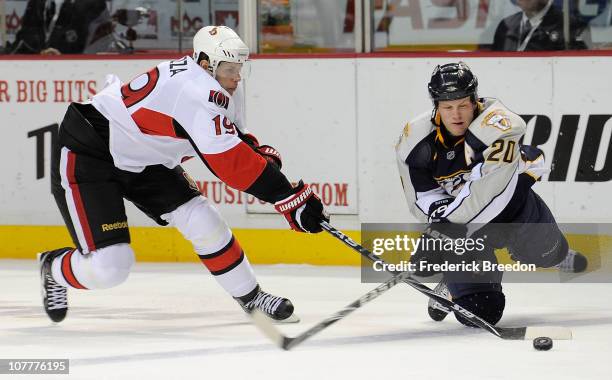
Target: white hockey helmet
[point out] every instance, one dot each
(220, 44)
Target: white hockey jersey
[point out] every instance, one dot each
(174, 111)
(479, 173)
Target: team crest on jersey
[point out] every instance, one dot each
(450, 155)
(218, 98)
(497, 119)
(454, 184)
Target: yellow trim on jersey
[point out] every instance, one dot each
(540, 157)
(532, 175)
(452, 175)
(439, 136)
(437, 118)
(481, 107)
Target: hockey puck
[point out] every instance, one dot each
(542, 343)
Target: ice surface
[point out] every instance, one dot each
(172, 321)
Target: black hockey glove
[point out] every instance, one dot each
(302, 209)
(438, 208)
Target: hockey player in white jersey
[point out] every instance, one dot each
(464, 164)
(128, 142)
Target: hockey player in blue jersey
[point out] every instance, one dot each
(470, 172)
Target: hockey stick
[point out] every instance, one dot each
(512, 333)
(286, 343)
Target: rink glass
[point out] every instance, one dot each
(342, 26)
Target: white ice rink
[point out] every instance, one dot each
(172, 321)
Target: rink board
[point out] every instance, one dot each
(335, 121)
(158, 244)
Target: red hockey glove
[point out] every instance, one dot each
(266, 151)
(302, 209)
(270, 154)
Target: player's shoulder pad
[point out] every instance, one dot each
(497, 122)
(414, 131)
(422, 155)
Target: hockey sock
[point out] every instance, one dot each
(62, 271)
(231, 268)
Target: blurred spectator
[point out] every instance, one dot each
(35, 24)
(538, 26)
(80, 26)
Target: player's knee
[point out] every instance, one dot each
(200, 223)
(488, 305)
(110, 266)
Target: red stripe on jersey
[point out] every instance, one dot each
(78, 201)
(154, 123)
(226, 259)
(238, 167)
(68, 273)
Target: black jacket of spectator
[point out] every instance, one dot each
(30, 38)
(79, 24)
(547, 36)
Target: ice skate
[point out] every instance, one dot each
(574, 262)
(276, 308)
(54, 295)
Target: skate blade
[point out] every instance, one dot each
(293, 318)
